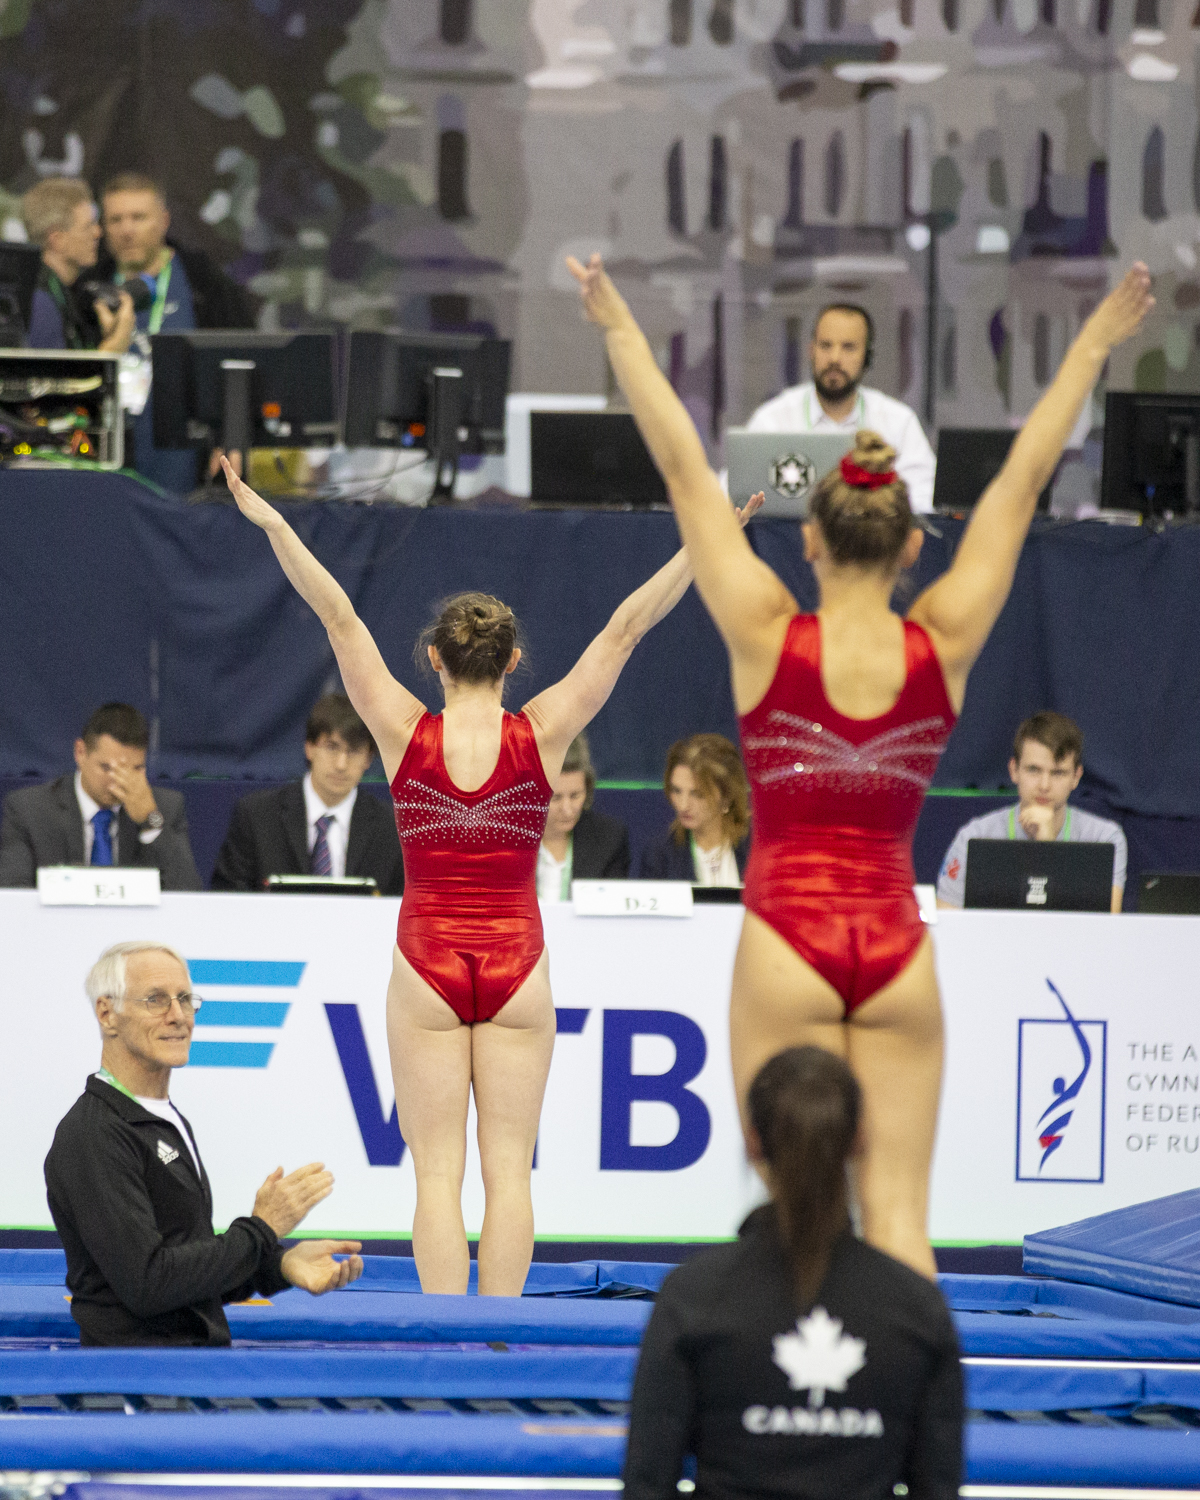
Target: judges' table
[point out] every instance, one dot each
(1072, 1070)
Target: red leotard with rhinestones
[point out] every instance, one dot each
(469, 921)
(835, 803)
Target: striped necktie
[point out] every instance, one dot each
(320, 862)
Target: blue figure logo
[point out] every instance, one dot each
(1050, 1136)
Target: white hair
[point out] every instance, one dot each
(107, 975)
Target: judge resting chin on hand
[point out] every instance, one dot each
(129, 1194)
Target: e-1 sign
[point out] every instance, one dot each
(631, 898)
(98, 885)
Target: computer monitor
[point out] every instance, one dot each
(441, 393)
(591, 458)
(245, 390)
(1172, 894)
(1151, 453)
(19, 267)
(1031, 875)
(968, 459)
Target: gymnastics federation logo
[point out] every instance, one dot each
(1061, 1076)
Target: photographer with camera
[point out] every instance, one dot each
(70, 309)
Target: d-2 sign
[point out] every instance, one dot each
(631, 898)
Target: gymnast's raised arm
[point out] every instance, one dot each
(387, 708)
(960, 608)
(561, 711)
(745, 598)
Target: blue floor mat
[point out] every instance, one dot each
(398, 1273)
(1041, 1452)
(1151, 1249)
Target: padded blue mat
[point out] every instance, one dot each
(1152, 1249)
(371, 1316)
(592, 1374)
(996, 1452)
(294, 1442)
(398, 1273)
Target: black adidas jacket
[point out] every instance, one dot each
(731, 1371)
(143, 1263)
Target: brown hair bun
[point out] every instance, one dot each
(474, 634)
(872, 453)
(864, 525)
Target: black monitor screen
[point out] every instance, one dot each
(968, 459)
(1151, 453)
(293, 387)
(591, 458)
(19, 267)
(388, 381)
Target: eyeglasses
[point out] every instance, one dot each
(158, 1002)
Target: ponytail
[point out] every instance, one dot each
(805, 1106)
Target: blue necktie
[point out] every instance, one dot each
(102, 849)
(321, 863)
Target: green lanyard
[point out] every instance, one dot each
(107, 1077)
(564, 890)
(1012, 824)
(161, 282)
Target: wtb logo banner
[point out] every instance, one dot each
(1061, 1081)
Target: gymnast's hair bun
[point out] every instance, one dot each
(872, 453)
(864, 524)
(475, 636)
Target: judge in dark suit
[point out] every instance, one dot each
(579, 843)
(709, 841)
(321, 825)
(106, 814)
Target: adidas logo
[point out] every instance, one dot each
(166, 1154)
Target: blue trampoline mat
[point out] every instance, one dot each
(370, 1316)
(1008, 1453)
(1151, 1249)
(398, 1273)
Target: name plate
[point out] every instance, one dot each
(98, 885)
(631, 898)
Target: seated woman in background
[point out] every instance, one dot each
(709, 840)
(579, 843)
(798, 1360)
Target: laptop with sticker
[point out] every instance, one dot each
(786, 466)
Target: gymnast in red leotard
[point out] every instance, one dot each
(470, 924)
(835, 804)
(469, 1007)
(844, 714)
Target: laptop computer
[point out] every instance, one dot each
(1028, 875)
(1174, 895)
(968, 459)
(591, 458)
(784, 465)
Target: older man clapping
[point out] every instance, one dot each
(129, 1193)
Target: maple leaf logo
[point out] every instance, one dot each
(818, 1355)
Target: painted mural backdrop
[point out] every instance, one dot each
(972, 170)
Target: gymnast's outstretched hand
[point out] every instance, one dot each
(602, 303)
(1120, 315)
(251, 504)
(310, 1265)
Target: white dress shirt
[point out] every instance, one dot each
(797, 409)
(715, 866)
(88, 808)
(337, 833)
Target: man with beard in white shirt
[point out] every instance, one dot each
(836, 401)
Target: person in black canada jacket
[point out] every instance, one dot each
(799, 1360)
(129, 1194)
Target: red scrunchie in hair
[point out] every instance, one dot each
(864, 479)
